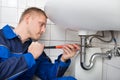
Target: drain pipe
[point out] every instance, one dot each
(92, 59)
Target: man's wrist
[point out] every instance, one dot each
(63, 60)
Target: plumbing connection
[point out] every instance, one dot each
(108, 54)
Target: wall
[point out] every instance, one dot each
(10, 11)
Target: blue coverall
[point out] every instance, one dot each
(18, 64)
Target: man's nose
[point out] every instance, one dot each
(43, 29)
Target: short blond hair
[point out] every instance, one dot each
(31, 10)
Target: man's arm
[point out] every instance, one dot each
(11, 65)
(46, 70)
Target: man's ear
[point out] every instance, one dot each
(27, 18)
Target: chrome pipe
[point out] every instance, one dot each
(93, 57)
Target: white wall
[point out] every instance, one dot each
(10, 11)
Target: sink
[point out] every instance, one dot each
(90, 15)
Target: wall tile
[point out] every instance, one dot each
(115, 61)
(104, 72)
(53, 59)
(9, 15)
(113, 73)
(71, 68)
(72, 42)
(9, 3)
(67, 73)
(4, 2)
(22, 3)
(46, 43)
(11, 24)
(56, 52)
(57, 33)
(40, 3)
(72, 35)
(0, 3)
(30, 3)
(46, 35)
(20, 11)
(103, 45)
(2, 25)
(118, 37)
(50, 22)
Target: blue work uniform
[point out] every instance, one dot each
(16, 63)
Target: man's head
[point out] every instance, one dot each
(34, 21)
(30, 11)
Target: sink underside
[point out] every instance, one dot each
(94, 15)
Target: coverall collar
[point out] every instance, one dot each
(8, 32)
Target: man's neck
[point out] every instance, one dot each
(22, 33)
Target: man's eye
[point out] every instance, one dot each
(41, 25)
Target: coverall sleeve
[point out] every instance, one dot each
(47, 70)
(13, 65)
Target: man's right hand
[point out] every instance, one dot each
(36, 49)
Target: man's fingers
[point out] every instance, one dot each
(76, 46)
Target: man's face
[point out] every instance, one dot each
(37, 26)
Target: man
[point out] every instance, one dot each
(21, 59)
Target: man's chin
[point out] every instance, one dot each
(36, 39)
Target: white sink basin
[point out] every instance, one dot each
(93, 15)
